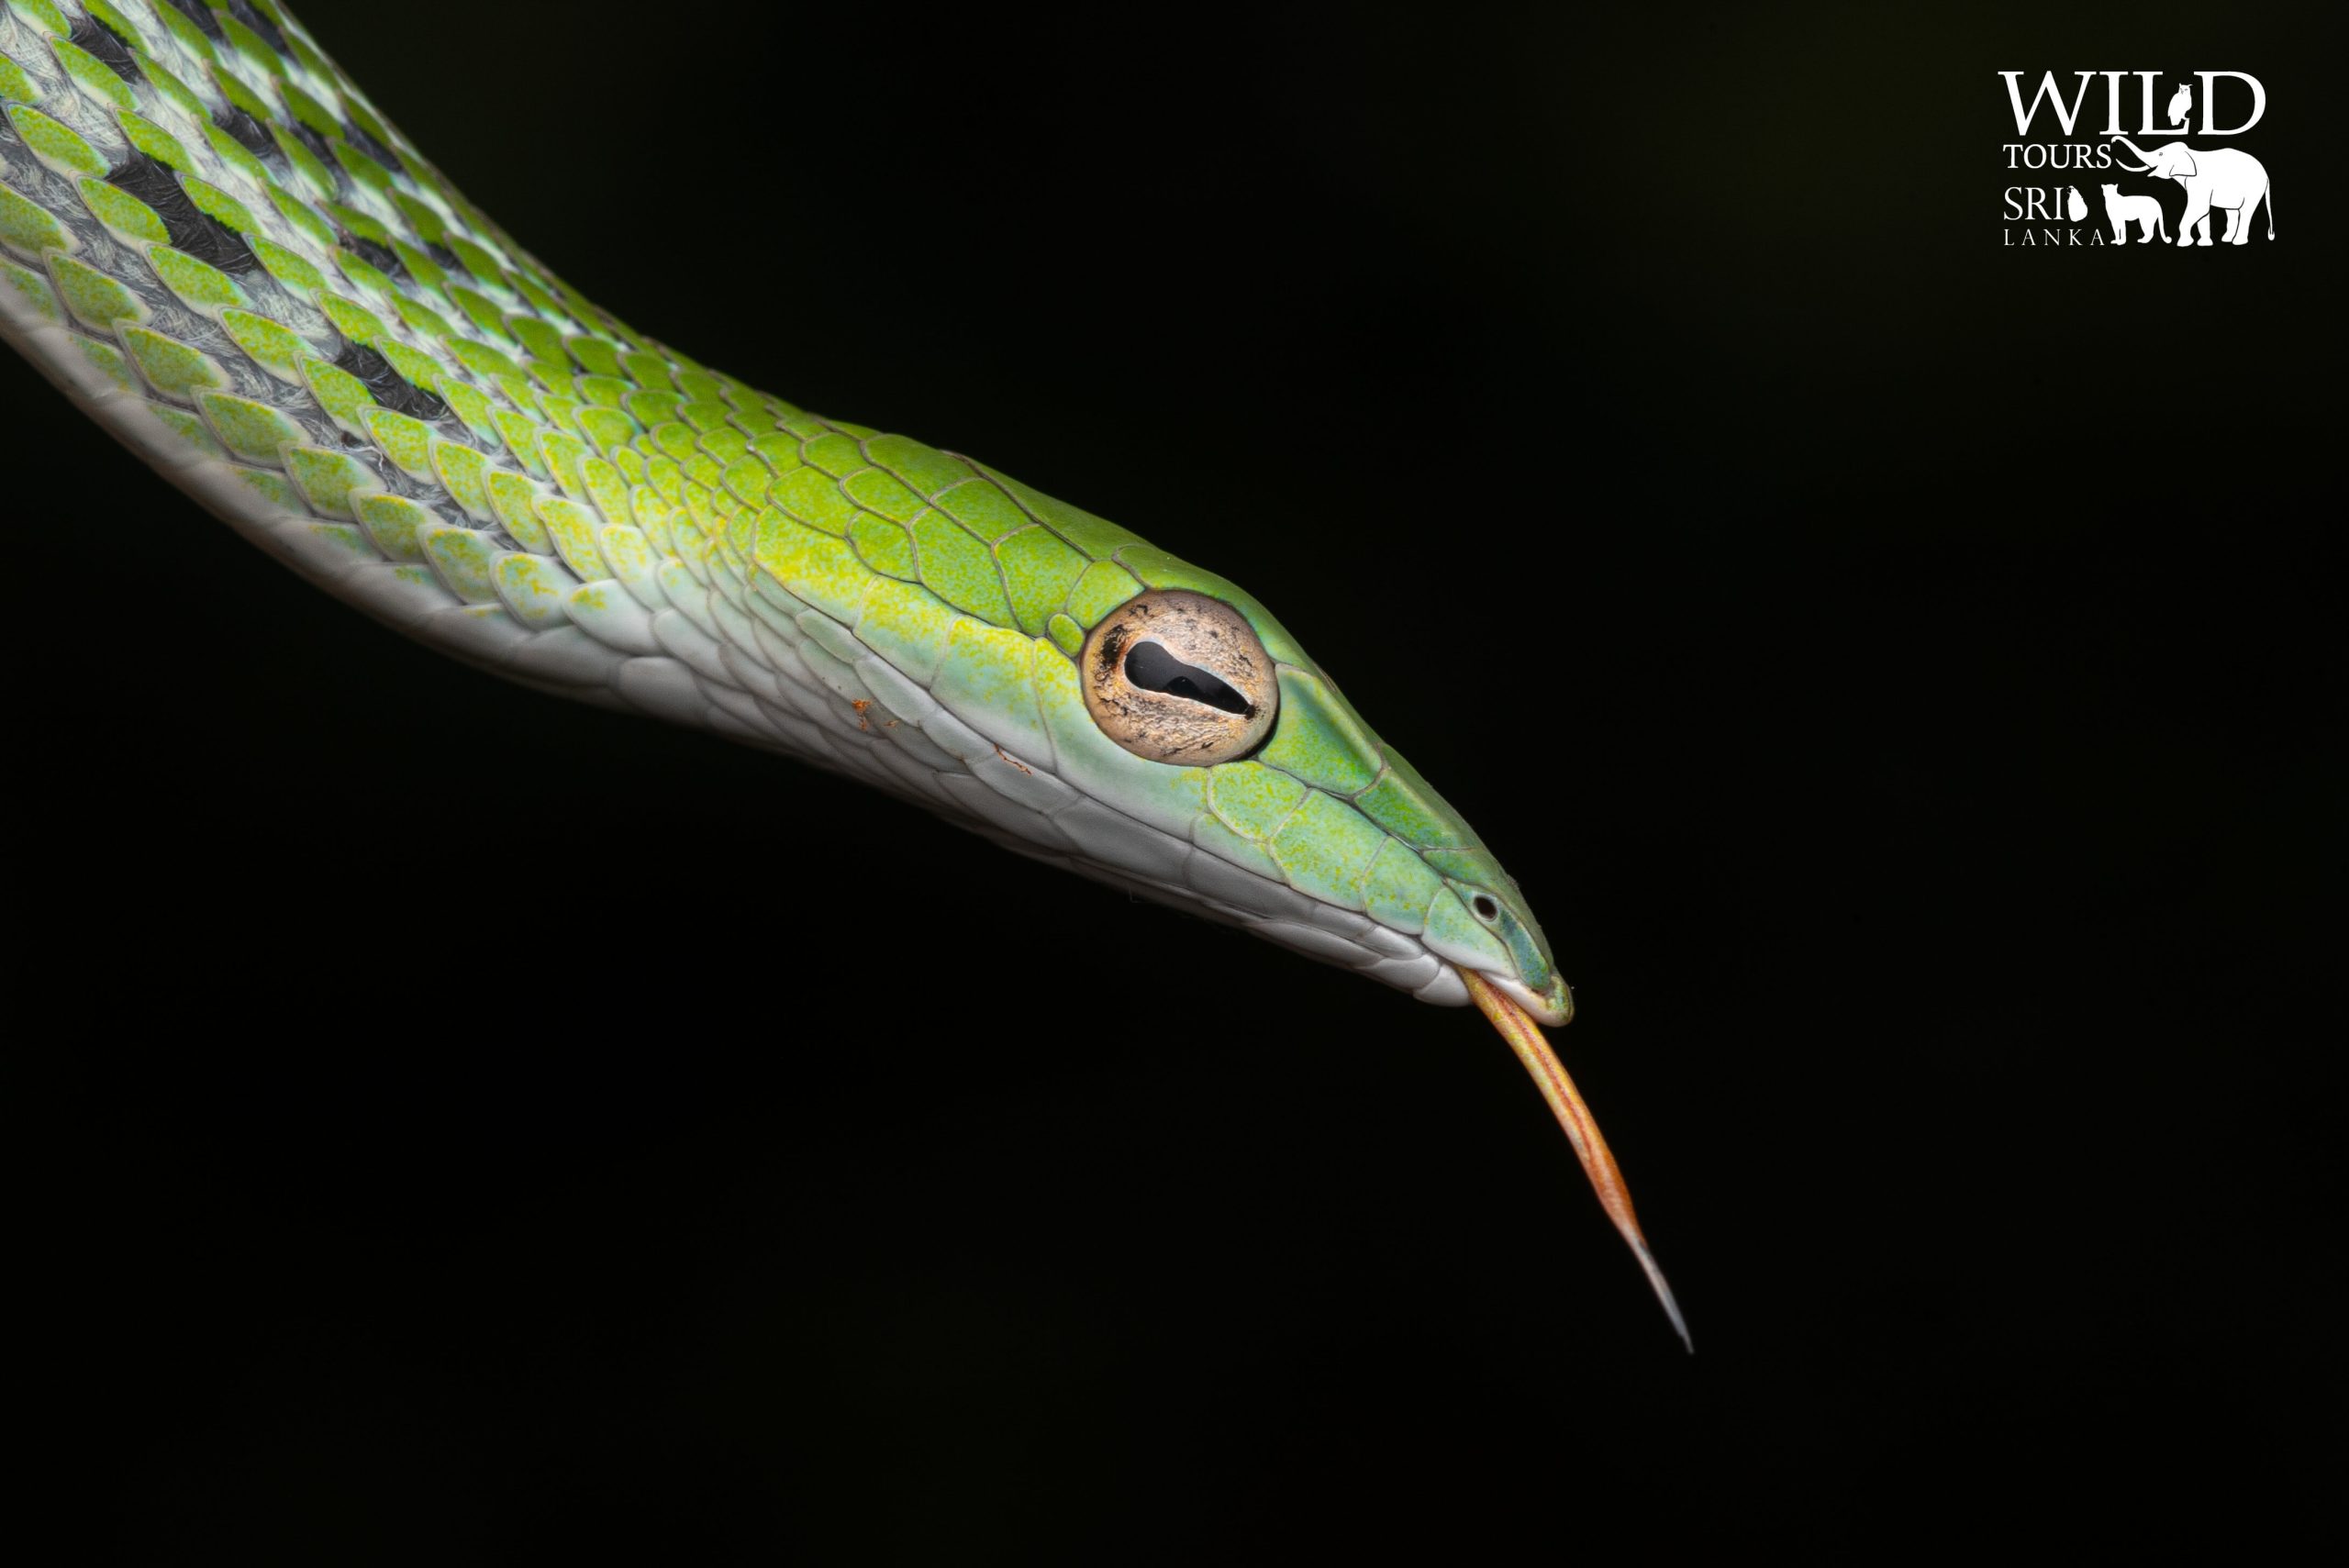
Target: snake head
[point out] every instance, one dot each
(1178, 702)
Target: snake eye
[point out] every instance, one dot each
(1178, 677)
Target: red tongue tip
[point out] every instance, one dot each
(1532, 1047)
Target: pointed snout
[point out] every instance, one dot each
(1554, 1005)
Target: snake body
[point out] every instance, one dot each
(215, 244)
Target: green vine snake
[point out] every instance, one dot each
(215, 243)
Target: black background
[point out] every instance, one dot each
(1897, 666)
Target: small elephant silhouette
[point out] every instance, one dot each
(2223, 178)
(2076, 208)
(2143, 211)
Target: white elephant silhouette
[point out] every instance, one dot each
(2121, 211)
(2233, 182)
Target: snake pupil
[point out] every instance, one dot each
(1153, 669)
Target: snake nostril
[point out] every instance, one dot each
(1486, 910)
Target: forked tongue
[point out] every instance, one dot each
(1533, 1048)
